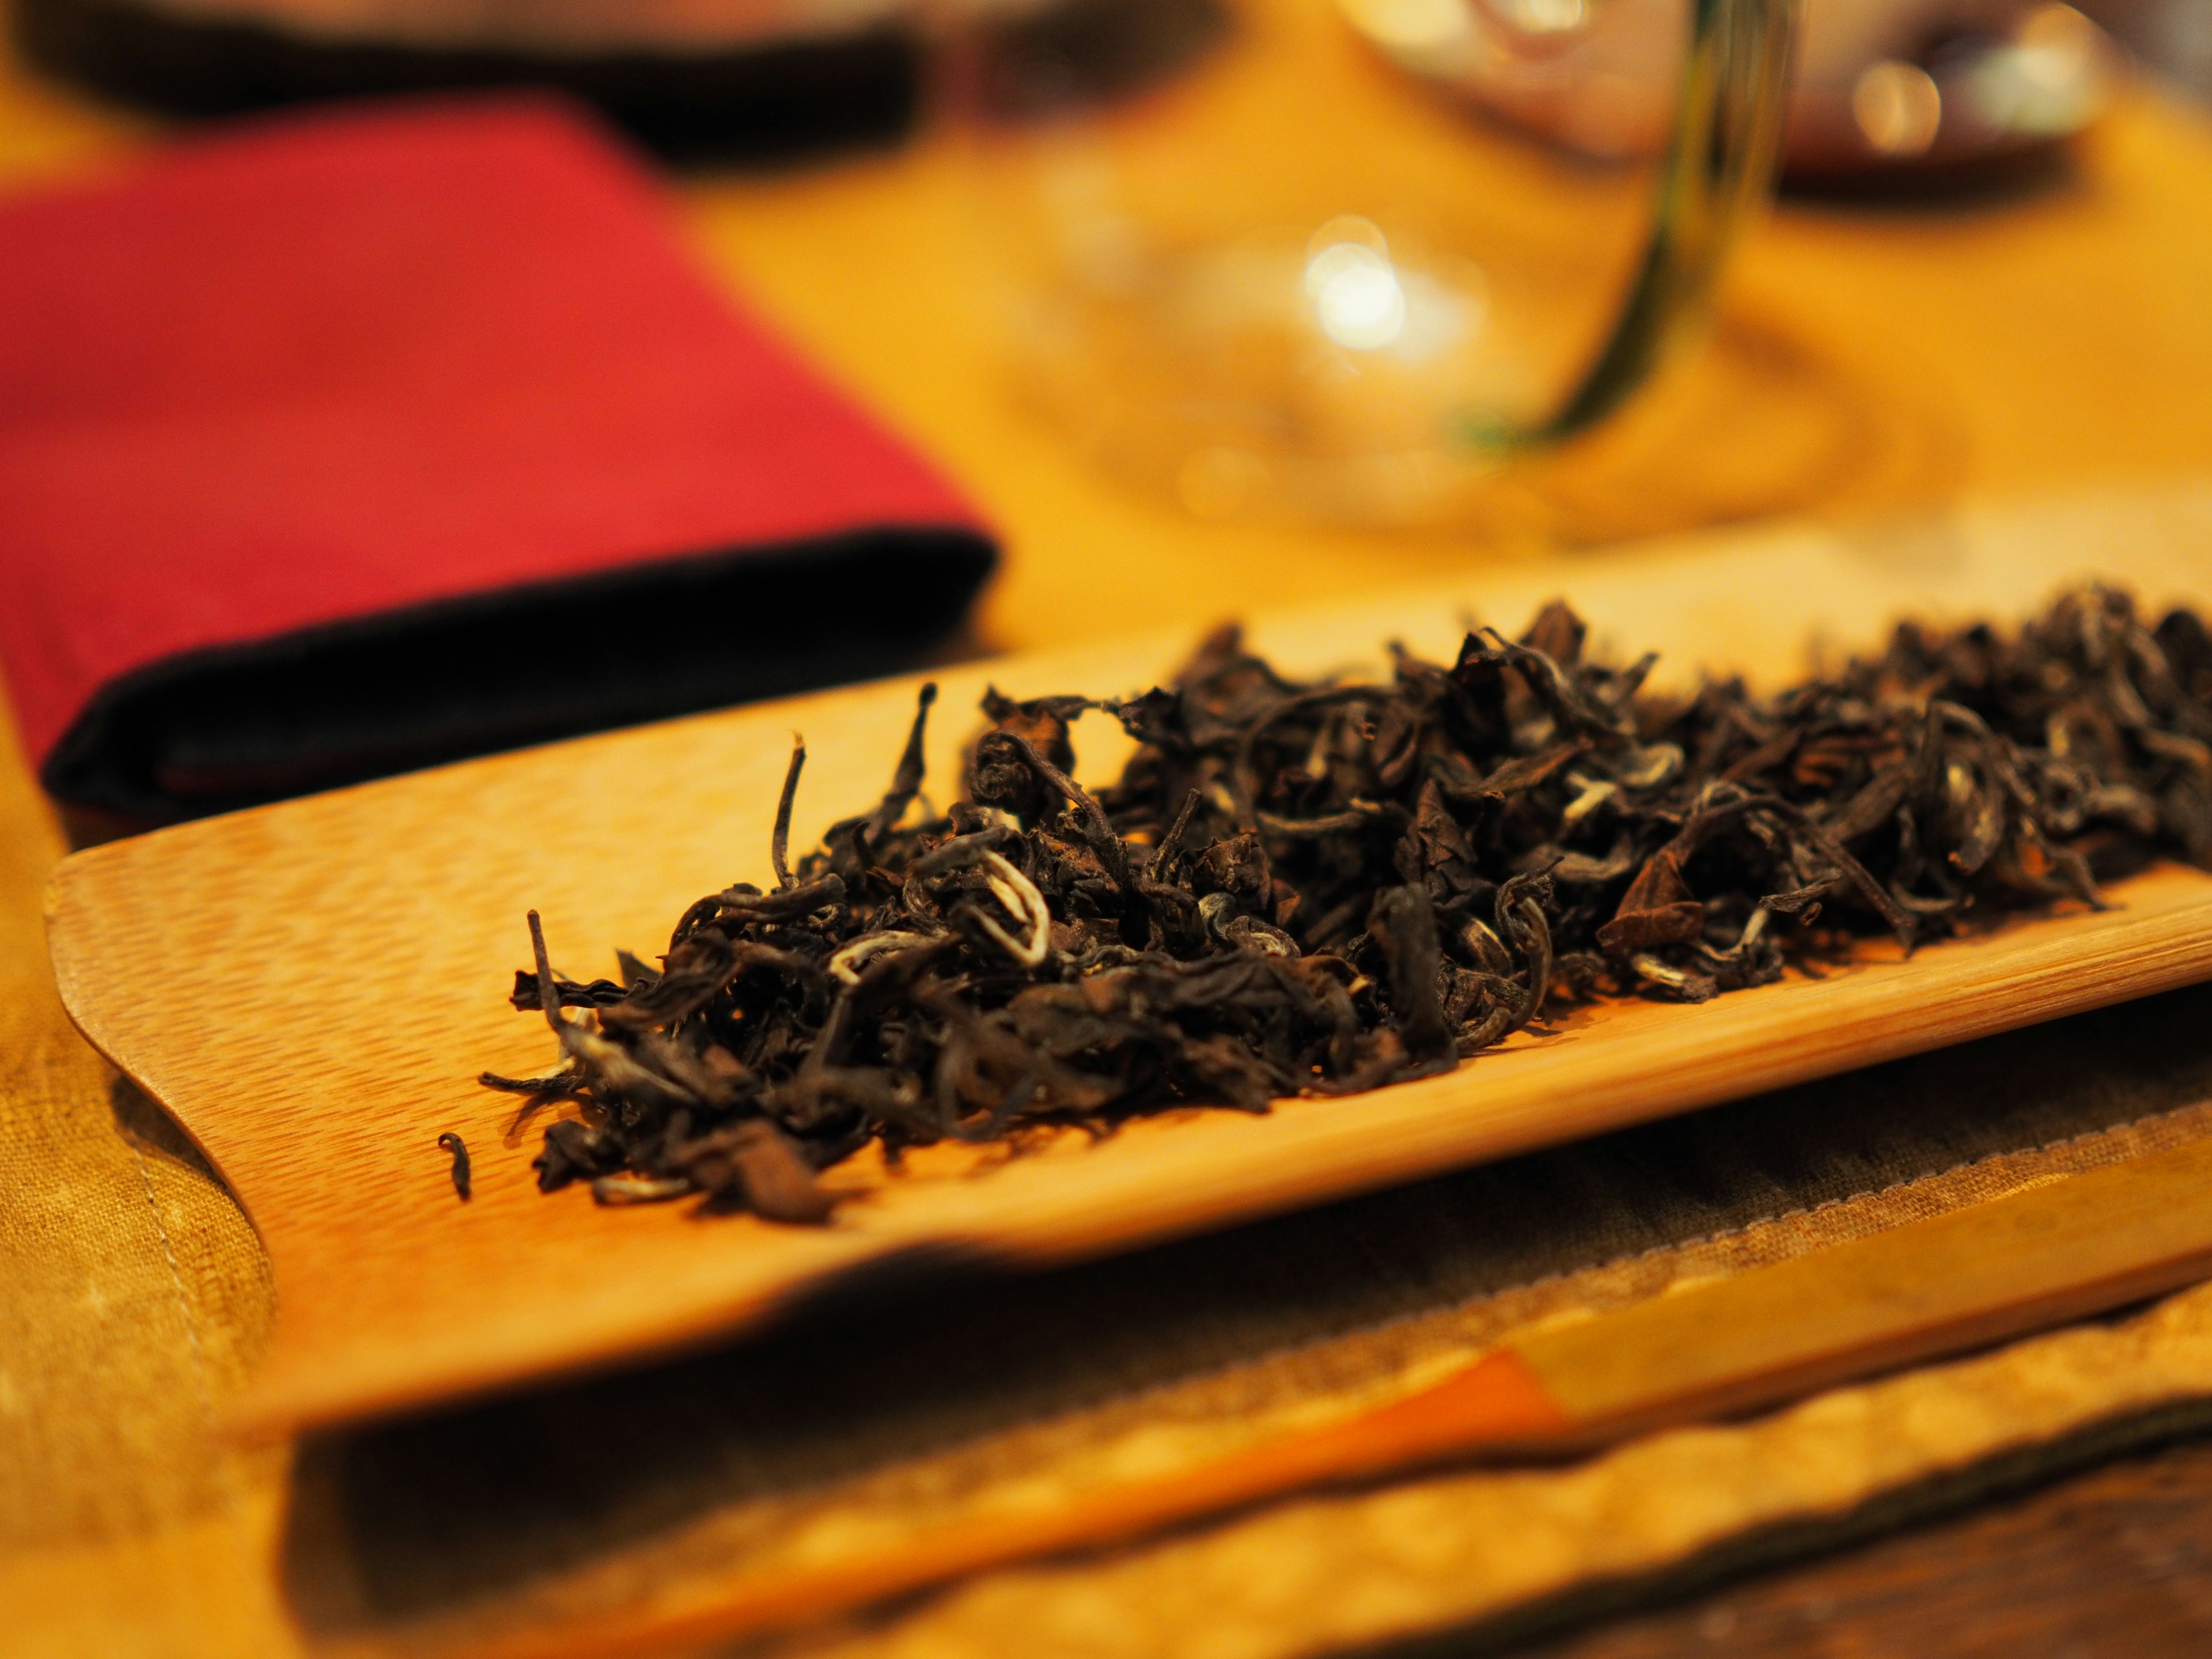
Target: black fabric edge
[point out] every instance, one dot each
(811, 599)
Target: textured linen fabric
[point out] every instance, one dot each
(132, 1295)
(1413, 1562)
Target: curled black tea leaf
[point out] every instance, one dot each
(1325, 888)
(450, 1142)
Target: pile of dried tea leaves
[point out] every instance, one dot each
(1323, 888)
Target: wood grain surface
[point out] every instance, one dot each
(2115, 1563)
(311, 988)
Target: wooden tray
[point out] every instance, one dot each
(311, 987)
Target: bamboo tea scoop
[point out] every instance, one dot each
(311, 989)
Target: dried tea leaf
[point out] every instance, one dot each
(1325, 887)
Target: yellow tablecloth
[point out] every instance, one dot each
(1866, 361)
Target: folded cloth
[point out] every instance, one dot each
(340, 445)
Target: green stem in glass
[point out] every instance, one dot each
(1718, 164)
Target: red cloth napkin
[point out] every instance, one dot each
(342, 444)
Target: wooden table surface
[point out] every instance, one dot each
(2115, 1561)
(1868, 363)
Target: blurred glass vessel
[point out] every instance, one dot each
(1287, 280)
(1909, 89)
(1884, 90)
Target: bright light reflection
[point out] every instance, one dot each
(2048, 81)
(1356, 295)
(1411, 25)
(1547, 16)
(1898, 107)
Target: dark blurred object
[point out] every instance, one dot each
(696, 80)
(1918, 90)
(777, 83)
(345, 444)
(1900, 92)
(2173, 37)
(1036, 60)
